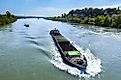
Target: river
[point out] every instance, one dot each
(29, 53)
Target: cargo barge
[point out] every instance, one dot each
(70, 55)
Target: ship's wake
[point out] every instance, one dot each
(93, 68)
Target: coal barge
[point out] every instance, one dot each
(70, 55)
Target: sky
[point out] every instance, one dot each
(52, 7)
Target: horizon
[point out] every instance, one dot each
(51, 8)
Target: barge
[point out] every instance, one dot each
(70, 55)
(26, 25)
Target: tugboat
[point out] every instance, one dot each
(70, 55)
(26, 25)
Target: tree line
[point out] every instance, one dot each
(7, 18)
(110, 17)
(90, 12)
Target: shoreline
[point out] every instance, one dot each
(7, 18)
(89, 21)
(109, 17)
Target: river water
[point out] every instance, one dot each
(29, 53)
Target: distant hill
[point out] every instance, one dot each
(91, 12)
(110, 17)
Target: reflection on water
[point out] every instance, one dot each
(26, 52)
(6, 28)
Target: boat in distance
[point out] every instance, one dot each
(70, 55)
(26, 25)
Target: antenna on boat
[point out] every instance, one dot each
(55, 28)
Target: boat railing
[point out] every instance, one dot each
(58, 44)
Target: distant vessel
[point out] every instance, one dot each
(69, 53)
(27, 25)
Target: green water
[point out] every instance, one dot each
(25, 52)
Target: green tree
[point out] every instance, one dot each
(118, 21)
(99, 20)
(8, 14)
(107, 21)
(7, 18)
(86, 20)
(91, 21)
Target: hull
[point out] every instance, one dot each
(27, 25)
(68, 51)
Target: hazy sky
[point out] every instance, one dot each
(51, 7)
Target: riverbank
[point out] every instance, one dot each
(104, 21)
(7, 18)
(110, 17)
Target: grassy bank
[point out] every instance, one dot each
(7, 18)
(109, 17)
(104, 21)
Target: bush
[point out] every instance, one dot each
(7, 18)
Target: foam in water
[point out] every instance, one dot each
(114, 35)
(93, 68)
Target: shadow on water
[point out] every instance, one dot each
(7, 28)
